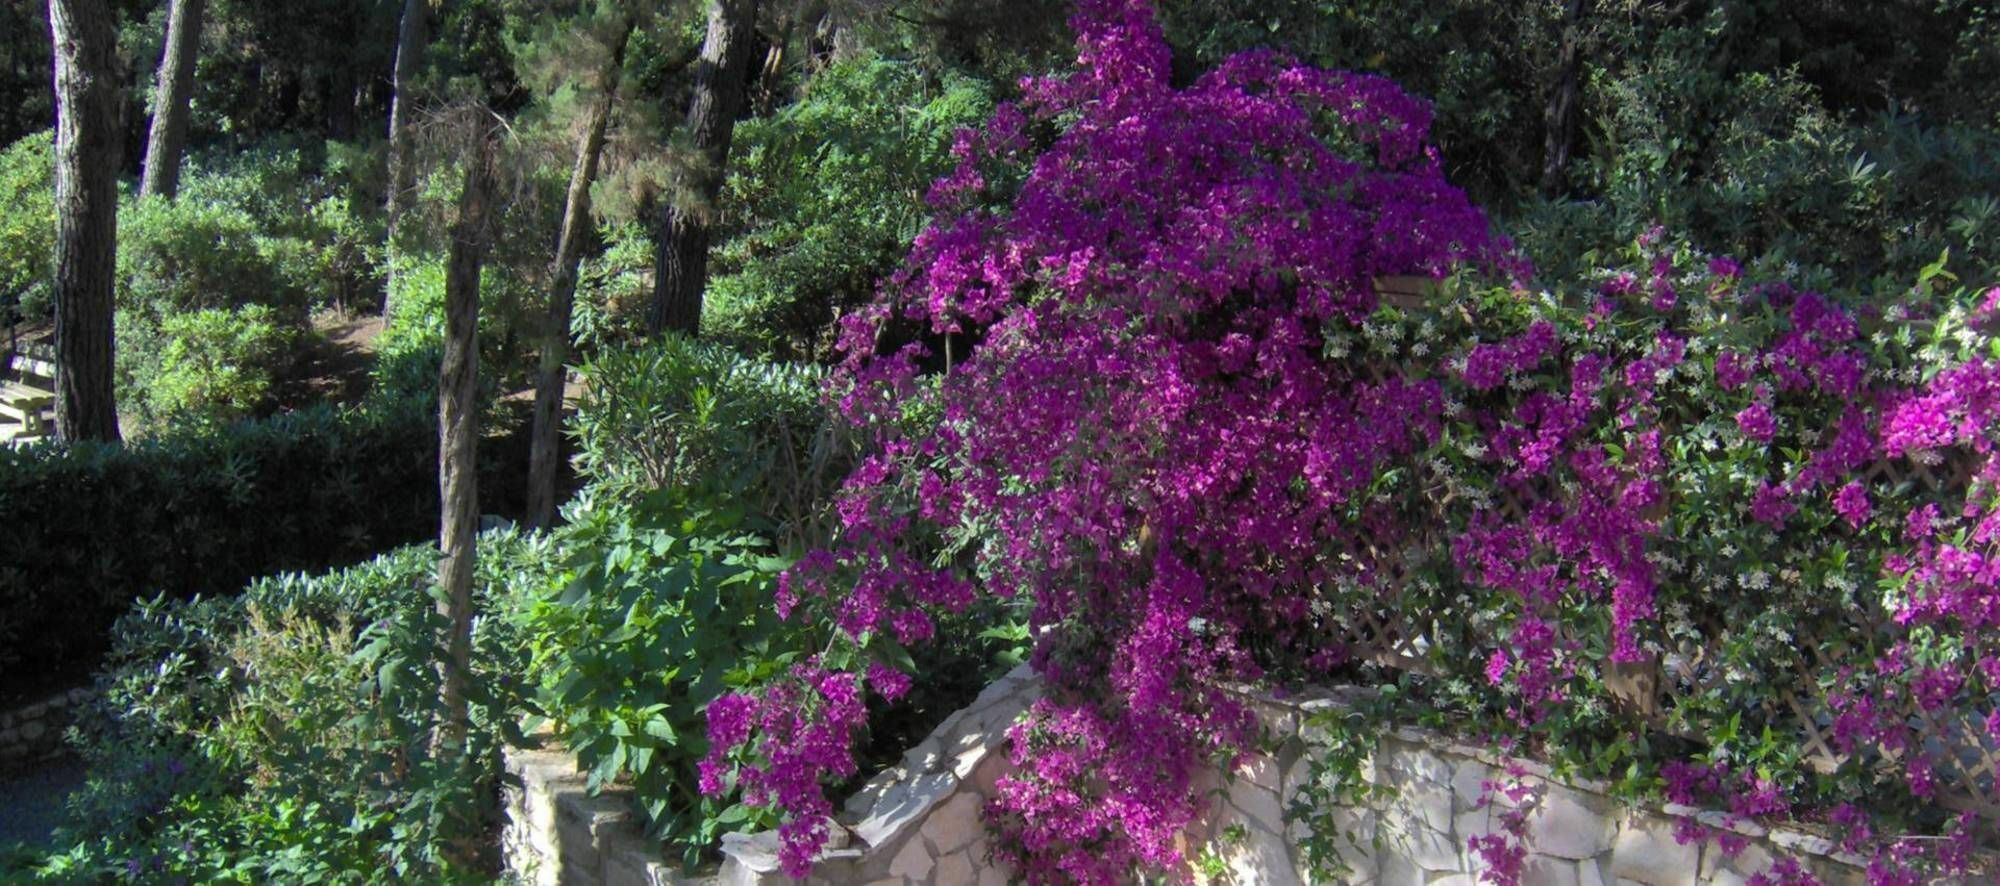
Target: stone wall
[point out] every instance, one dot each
(557, 834)
(919, 822)
(34, 732)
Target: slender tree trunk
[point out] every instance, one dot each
(458, 439)
(87, 152)
(681, 257)
(411, 39)
(576, 228)
(824, 45)
(770, 80)
(174, 86)
(1560, 117)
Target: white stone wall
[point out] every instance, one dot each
(34, 731)
(920, 822)
(557, 834)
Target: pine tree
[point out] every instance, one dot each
(168, 137)
(681, 255)
(87, 151)
(576, 229)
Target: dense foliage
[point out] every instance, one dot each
(1131, 394)
(829, 191)
(200, 512)
(287, 733)
(681, 414)
(659, 607)
(27, 225)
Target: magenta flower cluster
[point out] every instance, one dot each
(1113, 384)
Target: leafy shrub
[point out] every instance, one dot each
(189, 254)
(286, 734)
(204, 367)
(94, 527)
(662, 605)
(613, 289)
(825, 196)
(27, 225)
(313, 206)
(411, 346)
(682, 414)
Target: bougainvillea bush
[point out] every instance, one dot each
(1136, 379)
(1669, 502)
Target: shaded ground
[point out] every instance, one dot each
(31, 800)
(335, 364)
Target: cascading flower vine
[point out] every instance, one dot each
(1118, 383)
(1136, 411)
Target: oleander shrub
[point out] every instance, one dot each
(684, 414)
(287, 733)
(200, 511)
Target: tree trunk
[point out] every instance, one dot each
(769, 85)
(175, 85)
(576, 227)
(87, 152)
(458, 439)
(1560, 117)
(411, 39)
(681, 257)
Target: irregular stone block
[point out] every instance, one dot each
(1646, 852)
(956, 824)
(955, 870)
(902, 807)
(1261, 858)
(1466, 781)
(1544, 870)
(1568, 825)
(1258, 803)
(913, 862)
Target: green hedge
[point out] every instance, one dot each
(91, 527)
